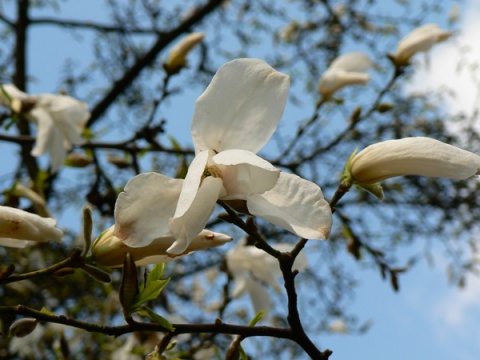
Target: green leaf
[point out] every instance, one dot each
(45, 311)
(156, 273)
(150, 292)
(257, 318)
(149, 313)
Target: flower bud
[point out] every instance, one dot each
(109, 250)
(412, 156)
(177, 57)
(420, 39)
(78, 160)
(22, 327)
(18, 228)
(118, 161)
(348, 69)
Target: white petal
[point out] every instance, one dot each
(296, 205)
(143, 210)
(245, 173)
(69, 115)
(15, 243)
(192, 182)
(259, 296)
(241, 107)
(13, 92)
(239, 286)
(45, 129)
(413, 156)
(185, 227)
(334, 80)
(352, 62)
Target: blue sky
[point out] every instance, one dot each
(428, 318)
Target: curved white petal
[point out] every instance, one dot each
(295, 204)
(351, 62)
(45, 128)
(185, 227)
(241, 107)
(13, 92)
(259, 296)
(245, 173)
(420, 156)
(192, 182)
(142, 211)
(334, 80)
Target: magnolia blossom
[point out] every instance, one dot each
(348, 69)
(19, 228)
(420, 39)
(109, 250)
(177, 57)
(412, 156)
(60, 120)
(252, 268)
(233, 119)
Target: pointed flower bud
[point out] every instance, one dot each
(177, 57)
(18, 228)
(412, 156)
(38, 202)
(22, 327)
(420, 39)
(109, 250)
(348, 69)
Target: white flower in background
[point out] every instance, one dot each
(60, 120)
(412, 156)
(252, 269)
(177, 59)
(348, 69)
(421, 39)
(19, 228)
(338, 326)
(233, 119)
(109, 250)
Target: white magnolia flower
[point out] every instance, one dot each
(253, 268)
(19, 228)
(109, 250)
(348, 69)
(233, 119)
(413, 156)
(421, 39)
(60, 120)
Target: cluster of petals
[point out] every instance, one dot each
(60, 120)
(233, 119)
(420, 156)
(19, 228)
(108, 250)
(347, 69)
(252, 269)
(419, 40)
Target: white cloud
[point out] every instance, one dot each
(454, 65)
